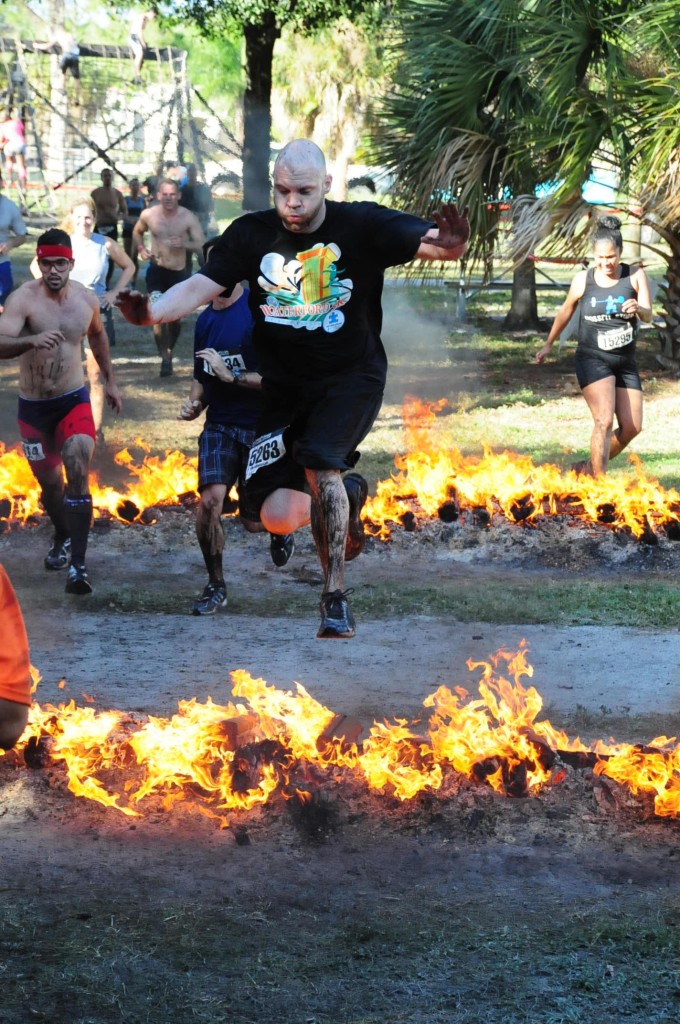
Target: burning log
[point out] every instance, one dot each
(515, 778)
(188, 499)
(545, 755)
(37, 752)
(127, 510)
(481, 516)
(672, 529)
(5, 508)
(408, 521)
(448, 512)
(249, 760)
(606, 512)
(523, 508)
(343, 730)
(240, 731)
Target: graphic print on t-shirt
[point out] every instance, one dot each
(305, 291)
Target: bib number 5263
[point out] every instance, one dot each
(266, 450)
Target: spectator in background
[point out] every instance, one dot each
(110, 207)
(134, 203)
(12, 234)
(13, 142)
(197, 197)
(173, 231)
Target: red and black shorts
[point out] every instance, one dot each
(46, 423)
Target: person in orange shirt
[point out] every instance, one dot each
(15, 676)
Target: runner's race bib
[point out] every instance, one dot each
(33, 450)
(266, 450)
(608, 340)
(230, 361)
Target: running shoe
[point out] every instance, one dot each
(58, 555)
(212, 598)
(337, 621)
(78, 581)
(357, 492)
(166, 368)
(281, 547)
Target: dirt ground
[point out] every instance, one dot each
(457, 906)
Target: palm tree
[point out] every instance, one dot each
(493, 99)
(452, 122)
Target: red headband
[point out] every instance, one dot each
(55, 251)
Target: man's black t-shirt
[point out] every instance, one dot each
(315, 297)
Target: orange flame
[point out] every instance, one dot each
(434, 474)
(432, 479)
(232, 757)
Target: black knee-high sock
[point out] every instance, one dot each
(78, 513)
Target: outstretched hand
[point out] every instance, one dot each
(135, 307)
(453, 228)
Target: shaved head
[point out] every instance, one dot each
(301, 184)
(301, 154)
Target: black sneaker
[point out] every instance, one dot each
(58, 555)
(78, 581)
(166, 368)
(210, 600)
(337, 621)
(281, 547)
(357, 492)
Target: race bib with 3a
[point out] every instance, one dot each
(266, 450)
(230, 360)
(608, 340)
(33, 450)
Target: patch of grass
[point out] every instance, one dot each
(486, 963)
(523, 601)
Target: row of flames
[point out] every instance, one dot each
(221, 758)
(431, 480)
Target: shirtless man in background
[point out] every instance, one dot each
(174, 232)
(44, 324)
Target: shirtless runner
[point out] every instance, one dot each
(174, 232)
(44, 324)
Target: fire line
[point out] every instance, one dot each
(433, 480)
(219, 758)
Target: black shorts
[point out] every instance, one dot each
(108, 230)
(71, 63)
(299, 431)
(160, 279)
(593, 365)
(222, 459)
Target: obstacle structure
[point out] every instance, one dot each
(129, 127)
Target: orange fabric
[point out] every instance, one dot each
(15, 677)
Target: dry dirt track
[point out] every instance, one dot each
(149, 661)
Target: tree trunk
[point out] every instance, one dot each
(257, 120)
(523, 314)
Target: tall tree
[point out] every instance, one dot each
(594, 84)
(261, 22)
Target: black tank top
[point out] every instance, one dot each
(602, 325)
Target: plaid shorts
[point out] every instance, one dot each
(222, 459)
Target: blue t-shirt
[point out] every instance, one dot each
(230, 332)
